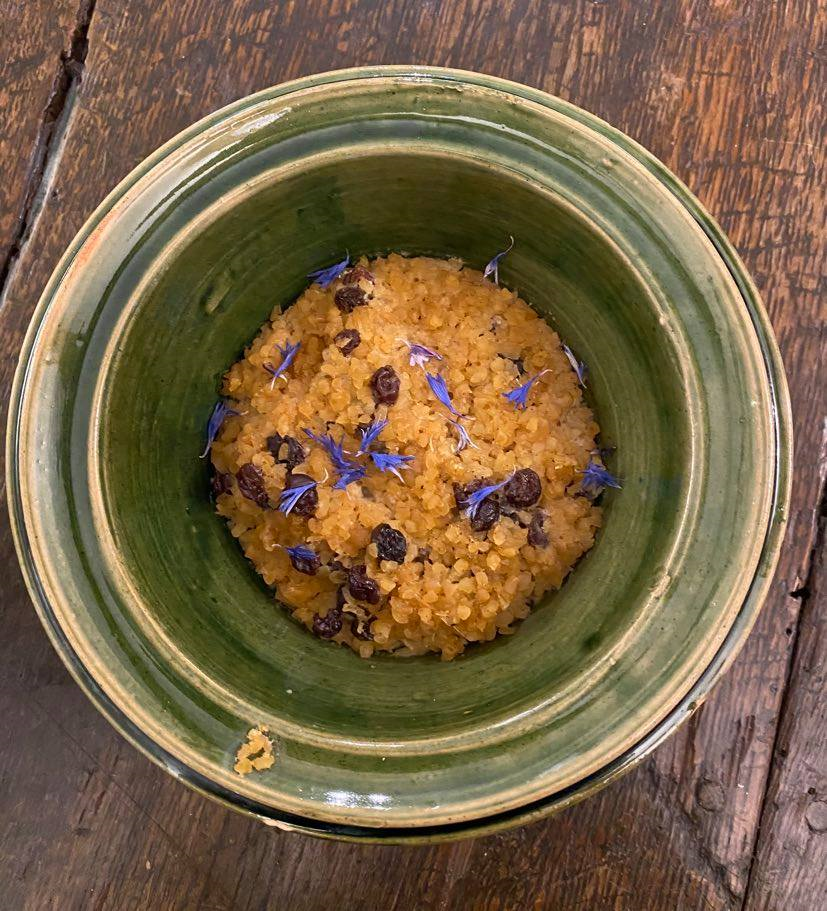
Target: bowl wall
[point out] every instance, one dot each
(151, 598)
(193, 321)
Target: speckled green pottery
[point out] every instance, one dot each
(150, 602)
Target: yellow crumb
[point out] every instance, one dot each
(256, 753)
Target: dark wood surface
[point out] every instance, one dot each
(731, 812)
(36, 51)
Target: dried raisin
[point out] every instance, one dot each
(347, 341)
(537, 536)
(286, 450)
(306, 563)
(390, 543)
(463, 491)
(307, 502)
(385, 385)
(361, 586)
(524, 488)
(251, 484)
(221, 482)
(328, 626)
(356, 273)
(349, 297)
(486, 515)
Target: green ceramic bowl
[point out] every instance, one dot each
(150, 602)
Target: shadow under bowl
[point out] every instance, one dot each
(150, 601)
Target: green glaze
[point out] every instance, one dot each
(148, 598)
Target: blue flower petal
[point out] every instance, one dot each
(475, 499)
(420, 355)
(370, 435)
(464, 440)
(219, 412)
(386, 461)
(519, 396)
(291, 495)
(301, 552)
(440, 390)
(335, 450)
(493, 267)
(348, 470)
(595, 478)
(326, 277)
(577, 366)
(349, 476)
(288, 352)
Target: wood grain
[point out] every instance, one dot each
(43, 43)
(790, 855)
(731, 96)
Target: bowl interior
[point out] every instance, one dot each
(190, 258)
(194, 320)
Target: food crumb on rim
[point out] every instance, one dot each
(256, 753)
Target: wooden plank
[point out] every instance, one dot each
(43, 47)
(791, 856)
(728, 97)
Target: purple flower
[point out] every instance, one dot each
(464, 440)
(219, 412)
(519, 396)
(291, 495)
(420, 355)
(288, 352)
(595, 478)
(475, 499)
(326, 277)
(370, 434)
(386, 461)
(440, 390)
(577, 366)
(493, 267)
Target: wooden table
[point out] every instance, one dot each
(731, 812)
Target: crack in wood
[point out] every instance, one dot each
(69, 73)
(803, 593)
(716, 138)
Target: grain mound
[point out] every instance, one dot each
(460, 581)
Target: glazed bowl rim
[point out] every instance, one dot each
(781, 430)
